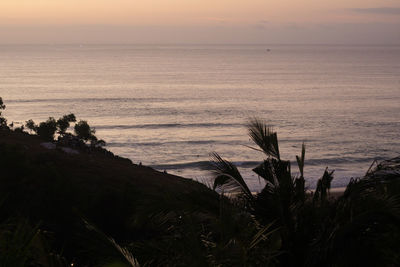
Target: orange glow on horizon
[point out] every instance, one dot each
(204, 21)
(183, 12)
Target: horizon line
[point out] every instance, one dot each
(202, 44)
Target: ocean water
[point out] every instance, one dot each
(170, 106)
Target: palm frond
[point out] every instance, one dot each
(228, 176)
(262, 235)
(264, 137)
(300, 160)
(377, 182)
(275, 172)
(300, 181)
(323, 185)
(266, 170)
(17, 243)
(122, 251)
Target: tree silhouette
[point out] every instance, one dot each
(3, 121)
(84, 131)
(30, 124)
(64, 122)
(47, 129)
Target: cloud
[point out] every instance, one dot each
(377, 10)
(259, 27)
(216, 19)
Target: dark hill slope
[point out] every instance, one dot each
(58, 189)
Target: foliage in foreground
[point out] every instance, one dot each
(359, 228)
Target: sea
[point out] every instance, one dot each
(171, 106)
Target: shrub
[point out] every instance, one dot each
(84, 131)
(64, 122)
(2, 106)
(47, 129)
(3, 121)
(30, 124)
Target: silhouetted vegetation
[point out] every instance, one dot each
(30, 124)
(96, 209)
(64, 122)
(359, 228)
(3, 121)
(83, 132)
(47, 129)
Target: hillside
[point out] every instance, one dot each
(57, 190)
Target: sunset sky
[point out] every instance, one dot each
(200, 21)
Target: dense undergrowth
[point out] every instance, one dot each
(95, 209)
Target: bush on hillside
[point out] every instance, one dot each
(30, 124)
(47, 129)
(3, 121)
(84, 131)
(64, 122)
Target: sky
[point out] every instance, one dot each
(200, 21)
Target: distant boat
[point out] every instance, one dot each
(268, 49)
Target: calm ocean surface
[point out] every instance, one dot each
(171, 106)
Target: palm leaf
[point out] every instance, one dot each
(300, 160)
(300, 181)
(266, 170)
(17, 243)
(323, 185)
(262, 235)
(264, 137)
(122, 251)
(228, 176)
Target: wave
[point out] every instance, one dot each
(94, 99)
(341, 160)
(168, 125)
(200, 142)
(202, 165)
(207, 165)
(233, 142)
